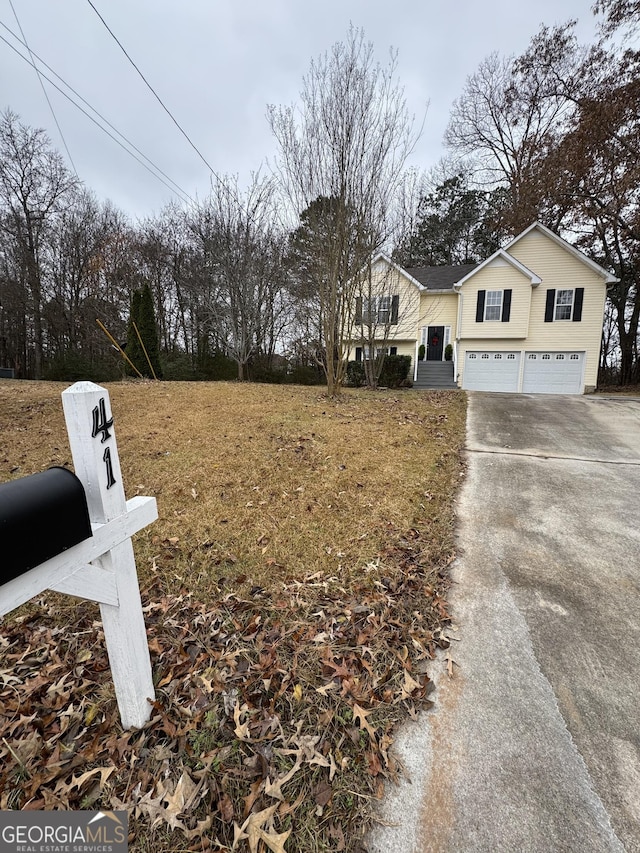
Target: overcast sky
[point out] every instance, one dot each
(216, 65)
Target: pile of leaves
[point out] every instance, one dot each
(271, 727)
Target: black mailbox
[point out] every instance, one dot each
(40, 516)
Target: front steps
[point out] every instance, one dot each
(435, 375)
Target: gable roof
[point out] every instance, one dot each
(501, 253)
(450, 278)
(608, 277)
(407, 273)
(440, 278)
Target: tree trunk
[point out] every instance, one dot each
(36, 296)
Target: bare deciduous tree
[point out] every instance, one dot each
(346, 142)
(242, 254)
(377, 315)
(33, 183)
(507, 122)
(618, 14)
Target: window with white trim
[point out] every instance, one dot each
(384, 310)
(377, 309)
(493, 305)
(364, 353)
(564, 305)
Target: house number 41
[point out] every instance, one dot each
(101, 426)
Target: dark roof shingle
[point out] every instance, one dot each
(440, 278)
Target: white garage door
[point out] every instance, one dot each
(491, 371)
(553, 373)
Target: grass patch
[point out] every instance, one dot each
(294, 589)
(620, 390)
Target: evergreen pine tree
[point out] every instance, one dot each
(148, 329)
(143, 315)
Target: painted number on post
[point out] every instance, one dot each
(101, 426)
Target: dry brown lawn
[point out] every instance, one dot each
(264, 482)
(310, 539)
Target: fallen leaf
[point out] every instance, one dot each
(361, 715)
(225, 807)
(251, 829)
(373, 762)
(325, 689)
(181, 799)
(241, 729)
(450, 664)
(322, 792)
(409, 685)
(78, 781)
(274, 789)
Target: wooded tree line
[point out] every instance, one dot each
(215, 272)
(248, 275)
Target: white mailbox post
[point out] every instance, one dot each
(101, 568)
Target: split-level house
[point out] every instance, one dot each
(527, 319)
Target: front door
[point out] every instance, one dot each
(435, 342)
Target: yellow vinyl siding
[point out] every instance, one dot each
(387, 281)
(406, 348)
(560, 270)
(403, 347)
(496, 276)
(439, 309)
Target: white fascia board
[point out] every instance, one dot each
(381, 256)
(601, 271)
(501, 253)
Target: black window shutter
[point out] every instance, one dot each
(358, 313)
(506, 305)
(393, 350)
(480, 306)
(394, 310)
(358, 353)
(578, 298)
(551, 302)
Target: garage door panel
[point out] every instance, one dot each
(553, 373)
(486, 370)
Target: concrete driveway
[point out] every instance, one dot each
(534, 744)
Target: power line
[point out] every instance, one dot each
(152, 90)
(44, 91)
(184, 195)
(232, 195)
(93, 109)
